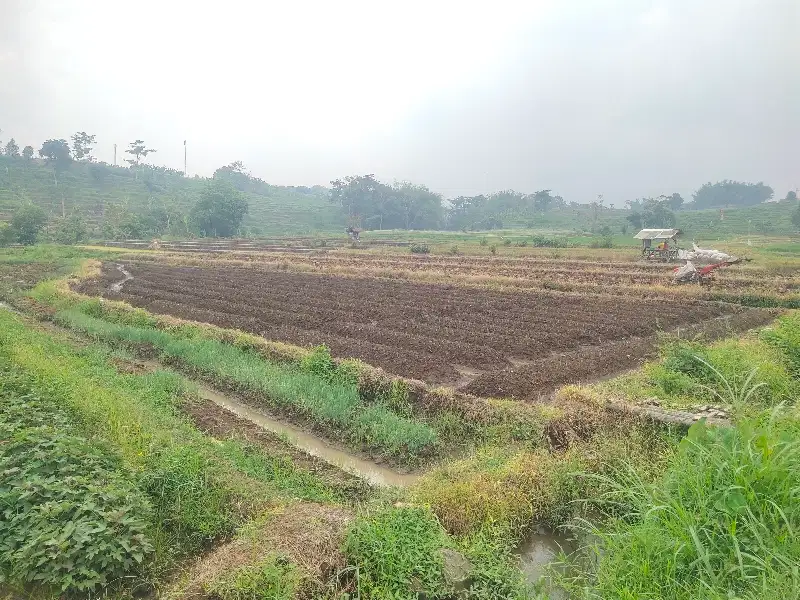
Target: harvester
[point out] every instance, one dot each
(690, 273)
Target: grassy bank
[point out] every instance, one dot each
(745, 374)
(199, 490)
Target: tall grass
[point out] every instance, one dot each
(722, 522)
(337, 406)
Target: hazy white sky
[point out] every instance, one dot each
(621, 97)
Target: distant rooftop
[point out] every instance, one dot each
(657, 234)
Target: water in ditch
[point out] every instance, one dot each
(540, 552)
(373, 473)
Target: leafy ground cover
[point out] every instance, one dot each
(198, 490)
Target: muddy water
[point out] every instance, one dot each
(370, 471)
(538, 551)
(117, 287)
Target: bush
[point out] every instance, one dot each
(604, 242)
(454, 250)
(506, 242)
(522, 243)
(396, 554)
(420, 249)
(785, 336)
(493, 249)
(484, 242)
(720, 523)
(77, 522)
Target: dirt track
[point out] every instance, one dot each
(518, 343)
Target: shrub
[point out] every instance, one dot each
(493, 249)
(604, 242)
(785, 336)
(454, 250)
(76, 521)
(720, 523)
(420, 249)
(506, 242)
(522, 243)
(396, 554)
(484, 242)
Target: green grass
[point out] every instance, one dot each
(722, 522)
(748, 374)
(74, 520)
(336, 406)
(395, 554)
(200, 489)
(275, 210)
(271, 578)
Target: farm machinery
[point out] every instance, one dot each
(690, 273)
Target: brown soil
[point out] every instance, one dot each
(223, 424)
(308, 534)
(413, 329)
(536, 380)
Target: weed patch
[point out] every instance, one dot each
(395, 553)
(721, 522)
(72, 519)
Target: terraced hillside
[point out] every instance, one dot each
(93, 189)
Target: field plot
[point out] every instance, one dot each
(489, 342)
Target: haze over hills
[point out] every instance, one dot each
(148, 201)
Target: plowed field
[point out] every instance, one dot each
(495, 343)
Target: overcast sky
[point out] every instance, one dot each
(625, 98)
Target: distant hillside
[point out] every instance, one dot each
(93, 189)
(771, 218)
(98, 190)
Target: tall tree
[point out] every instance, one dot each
(57, 153)
(675, 201)
(26, 223)
(236, 174)
(138, 150)
(731, 193)
(27, 152)
(82, 145)
(220, 209)
(12, 149)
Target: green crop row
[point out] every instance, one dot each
(335, 406)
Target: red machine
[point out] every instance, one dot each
(688, 273)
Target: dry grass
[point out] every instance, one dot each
(308, 534)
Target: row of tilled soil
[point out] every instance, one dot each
(381, 302)
(521, 272)
(412, 329)
(535, 380)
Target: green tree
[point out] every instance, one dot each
(220, 209)
(26, 224)
(82, 145)
(796, 217)
(57, 152)
(675, 201)
(731, 193)
(12, 149)
(70, 230)
(138, 150)
(635, 219)
(791, 196)
(7, 235)
(27, 152)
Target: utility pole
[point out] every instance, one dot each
(115, 155)
(184, 158)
